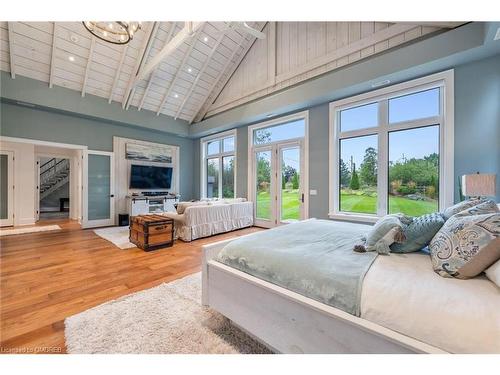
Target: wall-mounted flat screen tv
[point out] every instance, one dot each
(149, 177)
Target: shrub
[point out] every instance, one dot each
(430, 191)
(354, 184)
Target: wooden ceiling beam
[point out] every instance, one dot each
(117, 74)
(53, 54)
(141, 59)
(219, 81)
(189, 30)
(200, 73)
(443, 25)
(10, 29)
(87, 68)
(153, 74)
(181, 67)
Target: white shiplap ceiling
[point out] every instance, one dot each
(66, 54)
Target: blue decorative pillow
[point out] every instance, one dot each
(419, 233)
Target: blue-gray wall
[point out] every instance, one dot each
(25, 122)
(477, 119)
(477, 133)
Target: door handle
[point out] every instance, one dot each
(302, 198)
(112, 196)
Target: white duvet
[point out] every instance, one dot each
(401, 292)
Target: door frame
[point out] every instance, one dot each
(252, 193)
(304, 115)
(10, 189)
(37, 142)
(86, 223)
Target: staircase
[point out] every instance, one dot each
(53, 175)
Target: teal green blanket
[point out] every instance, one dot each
(314, 258)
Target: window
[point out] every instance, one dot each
(288, 130)
(392, 150)
(219, 165)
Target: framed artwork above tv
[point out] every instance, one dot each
(158, 154)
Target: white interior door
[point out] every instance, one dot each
(6, 188)
(98, 189)
(278, 190)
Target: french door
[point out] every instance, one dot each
(98, 189)
(6, 188)
(278, 187)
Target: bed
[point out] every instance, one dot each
(404, 307)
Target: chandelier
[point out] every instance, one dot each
(116, 32)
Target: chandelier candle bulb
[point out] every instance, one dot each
(116, 32)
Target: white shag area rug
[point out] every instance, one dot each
(11, 232)
(167, 319)
(118, 236)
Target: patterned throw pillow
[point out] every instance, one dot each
(466, 245)
(419, 233)
(459, 207)
(486, 207)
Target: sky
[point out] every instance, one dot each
(413, 143)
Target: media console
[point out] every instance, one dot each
(151, 203)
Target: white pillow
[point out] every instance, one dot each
(493, 272)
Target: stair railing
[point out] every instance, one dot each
(52, 168)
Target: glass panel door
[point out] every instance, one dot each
(99, 203)
(6, 188)
(290, 197)
(278, 184)
(264, 189)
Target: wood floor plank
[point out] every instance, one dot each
(46, 277)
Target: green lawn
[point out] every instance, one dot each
(290, 209)
(349, 202)
(367, 204)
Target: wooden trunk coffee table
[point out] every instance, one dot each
(151, 232)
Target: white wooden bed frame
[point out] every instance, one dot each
(288, 322)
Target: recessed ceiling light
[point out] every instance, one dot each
(71, 58)
(73, 38)
(176, 95)
(190, 70)
(205, 39)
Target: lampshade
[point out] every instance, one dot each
(479, 185)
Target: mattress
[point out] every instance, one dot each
(403, 293)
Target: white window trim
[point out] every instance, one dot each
(304, 115)
(203, 160)
(444, 80)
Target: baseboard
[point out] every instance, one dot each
(25, 221)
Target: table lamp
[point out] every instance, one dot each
(479, 185)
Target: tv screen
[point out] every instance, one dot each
(148, 177)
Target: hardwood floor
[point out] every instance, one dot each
(48, 276)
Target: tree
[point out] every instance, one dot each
(368, 169)
(354, 184)
(295, 181)
(263, 172)
(345, 175)
(288, 172)
(262, 136)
